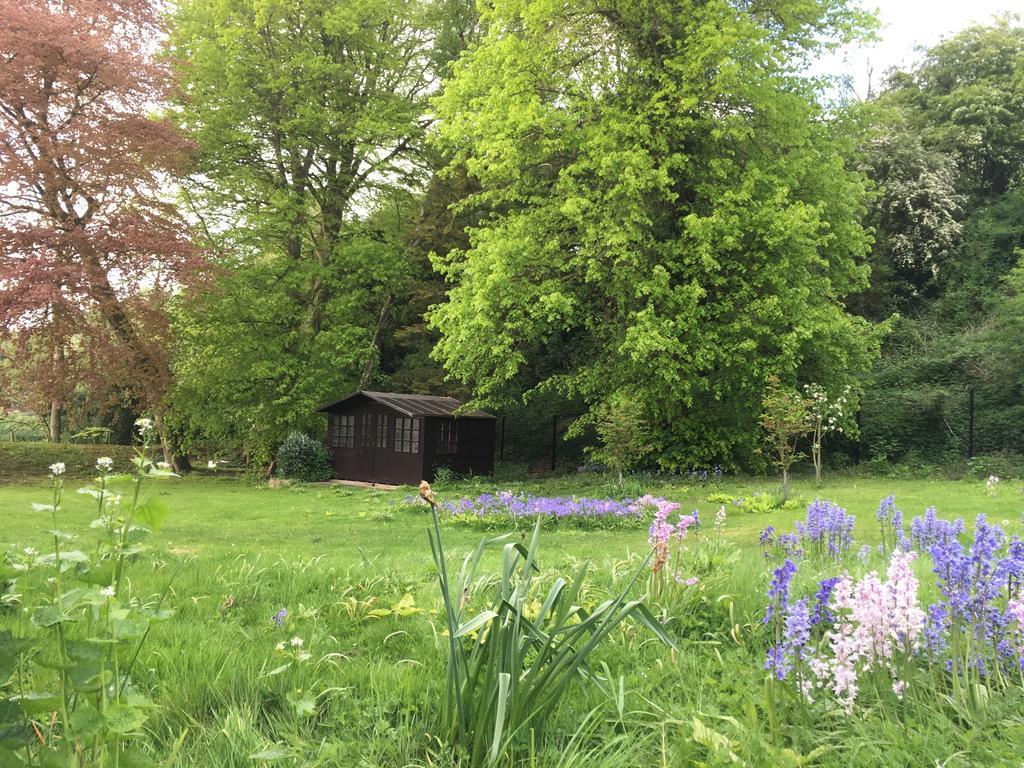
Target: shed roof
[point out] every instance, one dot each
(415, 405)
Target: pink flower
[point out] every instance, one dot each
(874, 622)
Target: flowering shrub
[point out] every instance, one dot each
(500, 509)
(825, 414)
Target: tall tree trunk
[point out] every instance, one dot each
(171, 447)
(371, 361)
(56, 406)
(54, 425)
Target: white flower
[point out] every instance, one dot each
(57, 469)
(211, 465)
(162, 465)
(279, 647)
(30, 552)
(104, 463)
(296, 642)
(107, 591)
(144, 425)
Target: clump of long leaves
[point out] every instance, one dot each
(511, 664)
(66, 696)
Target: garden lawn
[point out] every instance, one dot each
(353, 569)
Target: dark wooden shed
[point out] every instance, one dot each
(384, 437)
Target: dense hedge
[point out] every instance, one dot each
(19, 460)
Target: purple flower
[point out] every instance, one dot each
(930, 530)
(778, 589)
(826, 529)
(821, 600)
(795, 636)
(280, 617)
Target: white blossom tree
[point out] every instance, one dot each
(825, 414)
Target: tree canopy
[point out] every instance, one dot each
(89, 243)
(667, 209)
(310, 116)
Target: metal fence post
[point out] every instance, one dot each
(970, 422)
(856, 445)
(554, 441)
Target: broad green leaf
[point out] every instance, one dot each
(48, 616)
(86, 676)
(12, 646)
(14, 729)
(84, 721)
(303, 703)
(38, 702)
(124, 719)
(152, 513)
(131, 627)
(101, 574)
(88, 650)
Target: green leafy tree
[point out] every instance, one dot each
(956, 110)
(915, 215)
(622, 429)
(666, 208)
(785, 414)
(965, 99)
(309, 116)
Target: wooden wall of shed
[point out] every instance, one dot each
(371, 464)
(475, 455)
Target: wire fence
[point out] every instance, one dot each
(939, 424)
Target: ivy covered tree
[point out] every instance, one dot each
(666, 209)
(951, 198)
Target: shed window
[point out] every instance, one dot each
(382, 431)
(448, 437)
(407, 435)
(343, 431)
(366, 430)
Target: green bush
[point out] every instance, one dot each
(19, 460)
(1005, 465)
(300, 457)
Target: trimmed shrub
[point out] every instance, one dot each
(302, 458)
(20, 460)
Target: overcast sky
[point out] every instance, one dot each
(907, 24)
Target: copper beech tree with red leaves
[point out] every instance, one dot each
(90, 246)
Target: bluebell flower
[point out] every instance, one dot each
(778, 589)
(821, 599)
